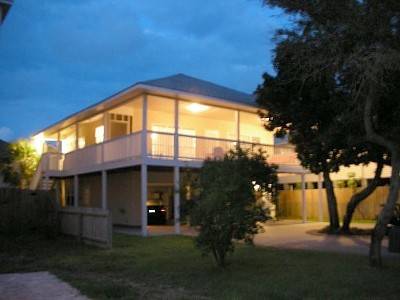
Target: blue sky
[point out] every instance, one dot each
(59, 56)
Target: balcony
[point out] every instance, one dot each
(126, 151)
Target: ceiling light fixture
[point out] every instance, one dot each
(197, 107)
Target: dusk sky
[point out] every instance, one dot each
(59, 56)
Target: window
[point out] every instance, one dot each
(99, 134)
(68, 139)
(207, 121)
(253, 131)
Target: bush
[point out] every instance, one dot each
(226, 201)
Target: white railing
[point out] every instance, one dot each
(121, 148)
(284, 155)
(160, 145)
(200, 148)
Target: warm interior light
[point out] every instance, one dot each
(81, 142)
(37, 142)
(99, 134)
(197, 107)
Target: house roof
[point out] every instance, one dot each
(188, 84)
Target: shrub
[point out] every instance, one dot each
(226, 201)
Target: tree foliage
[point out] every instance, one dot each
(20, 164)
(226, 201)
(358, 44)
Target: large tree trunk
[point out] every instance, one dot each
(332, 203)
(385, 215)
(357, 198)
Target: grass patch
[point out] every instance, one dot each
(169, 267)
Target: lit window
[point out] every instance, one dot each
(99, 134)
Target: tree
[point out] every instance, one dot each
(21, 164)
(359, 41)
(305, 110)
(226, 201)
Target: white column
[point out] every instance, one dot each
(144, 130)
(303, 198)
(176, 132)
(320, 199)
(76, 191)
(104, 189)
(59, 147)
(143, 198)
(106, 124)
(77, 136)
(177, 200)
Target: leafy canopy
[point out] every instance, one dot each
(227, 201)
(21, 164)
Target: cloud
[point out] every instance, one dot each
(5, 133)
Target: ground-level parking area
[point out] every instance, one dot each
(305, 236)
(291, 234)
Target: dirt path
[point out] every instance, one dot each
(36, 286)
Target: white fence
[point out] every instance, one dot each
(90, 225)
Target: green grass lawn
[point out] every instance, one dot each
(169, 267)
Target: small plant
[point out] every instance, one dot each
(21, 164)
(226, 201)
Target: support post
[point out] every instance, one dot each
(303, 198)
(76, 191)
(320, 205)
(177, 200)
(143, 198)
(104, 189)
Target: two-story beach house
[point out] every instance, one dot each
(128, 150)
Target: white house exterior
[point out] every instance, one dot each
(129, 150)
